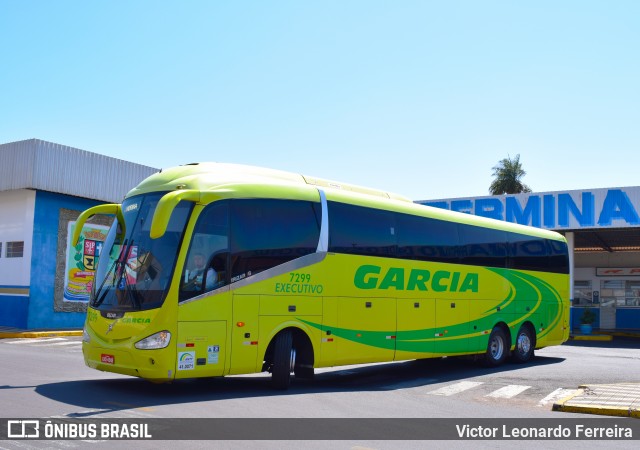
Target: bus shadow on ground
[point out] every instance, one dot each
(108, 396)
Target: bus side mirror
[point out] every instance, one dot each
(110, 208)
(169, 201)
(165, 207)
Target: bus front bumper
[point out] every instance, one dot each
(143, 364)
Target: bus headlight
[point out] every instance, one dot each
(85, 335)
(158, 340)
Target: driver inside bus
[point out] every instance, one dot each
(200, 273)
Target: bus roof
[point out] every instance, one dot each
(210, 176)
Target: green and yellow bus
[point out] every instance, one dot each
(217, 269)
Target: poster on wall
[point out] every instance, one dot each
(82, 260)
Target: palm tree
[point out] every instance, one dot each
(508, 174)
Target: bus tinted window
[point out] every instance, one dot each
(269, 232)
(482, 246)
(425, 239)
(527, 253)
(373, 232)
(558, 257)
(361, 231)
(207, 259)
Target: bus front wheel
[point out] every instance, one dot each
(497, 348)
(284, 360)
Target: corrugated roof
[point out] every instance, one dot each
(42, 165)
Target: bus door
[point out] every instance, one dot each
(204, 311)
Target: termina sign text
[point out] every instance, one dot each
(596, 208)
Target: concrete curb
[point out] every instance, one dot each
(591, 337)
(38, 334)
(604, 335)
(619, 400)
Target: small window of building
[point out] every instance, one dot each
(612, 293)
(582, 293)
(632, 293)
(15, 249)
(0, 249)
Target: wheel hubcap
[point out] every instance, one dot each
(497, 348)
(524, 343)
(292, 360)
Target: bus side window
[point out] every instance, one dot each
(205, 267)
(528, 253)
(216, 274)
(269, 232)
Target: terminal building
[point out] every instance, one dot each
(602, 228)
(45, 186)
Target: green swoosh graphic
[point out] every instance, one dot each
(525, 291)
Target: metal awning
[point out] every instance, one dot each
(607, 240)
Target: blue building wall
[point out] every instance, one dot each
(41, 312)
(626, 318)
(576, 315)
(14, 309)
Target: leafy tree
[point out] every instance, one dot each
(507, 177)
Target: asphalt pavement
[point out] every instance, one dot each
(620, 400)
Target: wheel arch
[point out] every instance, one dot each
(301, 342)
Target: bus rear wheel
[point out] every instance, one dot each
(284, 360)
(497, 348)
(525, 345)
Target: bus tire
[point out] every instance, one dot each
(284, 358)
(497, 348)
(525, 345)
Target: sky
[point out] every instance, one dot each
(421, 98)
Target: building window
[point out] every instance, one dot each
(0, 249)
(582, 293)
(621, 293)
(632, 294)
(15, 249)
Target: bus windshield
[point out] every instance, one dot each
(134, 270)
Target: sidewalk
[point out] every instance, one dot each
(620, 400)
(8, 332)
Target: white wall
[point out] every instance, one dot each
(16, 224)
(586, 264)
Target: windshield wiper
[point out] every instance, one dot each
(134, 294)
(130, 288)
(117, 263)
(101, 290)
